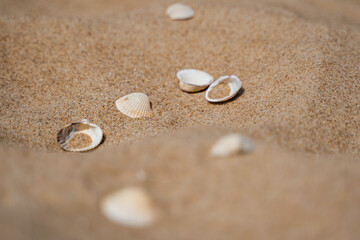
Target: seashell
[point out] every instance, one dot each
(131, 206)
(230, 145)
(80, 136)
(134, 105)
(193, 80)
(179, 11)
(231, 82)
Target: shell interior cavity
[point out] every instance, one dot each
(232, 82)
(179, 11)
(131, 207)
(134, 105)
(80, 136)
(231, 144)
(193, 80)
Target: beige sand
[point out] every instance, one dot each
(269, 194)
(299, 64)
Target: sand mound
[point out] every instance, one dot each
(300, 79)
(268, 194)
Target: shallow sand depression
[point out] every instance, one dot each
(299, 67)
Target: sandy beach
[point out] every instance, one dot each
(300, 70)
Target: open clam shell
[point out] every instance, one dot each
(134, 105)
(89, 136)
(131, 206)
(179, 11)
(193, 80)
(231, 144)
(232, 82)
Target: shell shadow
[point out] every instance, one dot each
(239, 94)
(102, 140)
(204, 90)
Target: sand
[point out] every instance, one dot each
(80, 140)
(269, 194)
(220, 91)
(299, 65)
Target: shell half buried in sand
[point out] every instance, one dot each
(131, 207)
(134, 105)
(193, 80)
(231, 144)
(179, 11)
(80, 136)
(223, 89)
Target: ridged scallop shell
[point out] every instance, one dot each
(134, 105)
(231, 144)
(232, 81)
(179, 11)
(131, 206)
(71, 130)
(193, 80)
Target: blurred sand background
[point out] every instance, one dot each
(63, 61)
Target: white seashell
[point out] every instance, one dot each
(193, 80)
(232, 81)
(83, 127)
(179, 11)
(231, 144)
(134, 105)
(131, 207)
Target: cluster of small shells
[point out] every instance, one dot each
(132, 206)
(193, 80)
(134, 105)
(137, 105)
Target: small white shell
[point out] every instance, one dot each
(134, 105)
(71, 130)
(231, 144)
(179, 11)
(233, 82)
(193, 80)
(130, 206)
